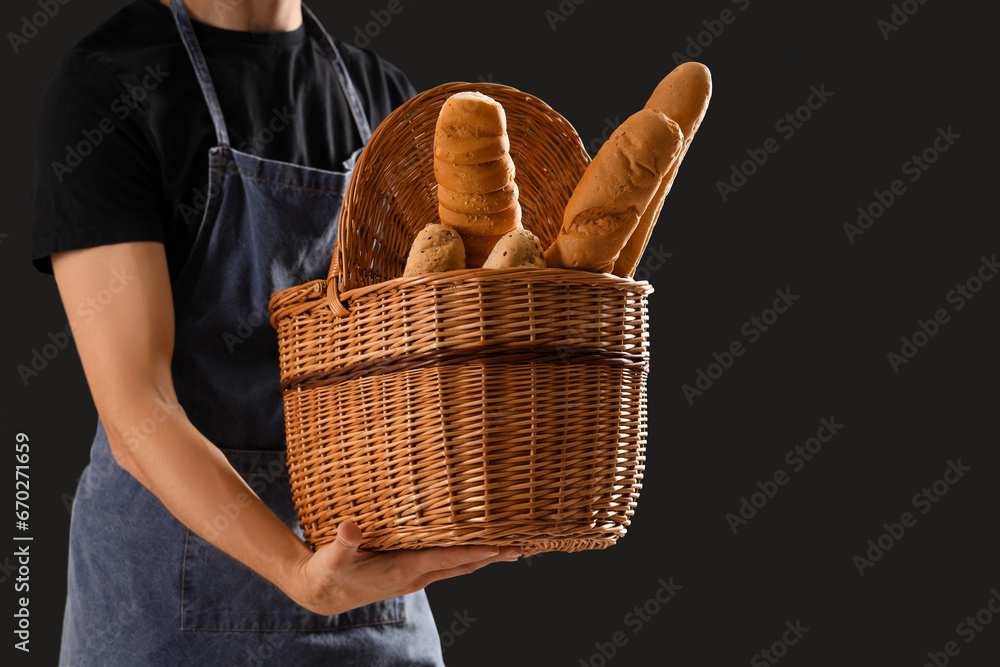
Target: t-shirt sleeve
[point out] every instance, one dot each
(392, 90)
(399, 85)
(383, 86)
(96, 177)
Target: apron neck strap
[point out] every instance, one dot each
(313, 28)
(197, 59)
(316, 30)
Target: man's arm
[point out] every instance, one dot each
(126, 352)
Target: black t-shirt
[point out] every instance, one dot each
(124, 130)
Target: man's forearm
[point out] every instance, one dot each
(195, 482)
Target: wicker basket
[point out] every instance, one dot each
(482, 406)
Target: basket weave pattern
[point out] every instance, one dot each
(478, 406)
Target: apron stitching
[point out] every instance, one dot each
(220, 168)
(187, 541)
(281, 164)
(399, 619)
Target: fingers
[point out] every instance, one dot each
(507, 554)
(445, 558)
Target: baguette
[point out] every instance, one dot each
(613, 192)
(683, 96)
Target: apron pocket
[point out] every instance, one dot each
(220, 593)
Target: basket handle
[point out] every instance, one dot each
(332, 293)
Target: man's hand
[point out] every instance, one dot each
(338, 577)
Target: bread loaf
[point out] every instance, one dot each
(517, 248)
(683, 96)
(613, 192)
(477, 195)
(436, 248)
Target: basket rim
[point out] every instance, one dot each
(315, 290)
(551, 276)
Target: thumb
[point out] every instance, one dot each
(328, 559)
(348, 539)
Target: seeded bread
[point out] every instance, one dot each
(517, 248)
(477, 195)
(436, 248)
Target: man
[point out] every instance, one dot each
(197, 155)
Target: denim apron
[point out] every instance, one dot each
(142, 588)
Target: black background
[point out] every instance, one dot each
(825, 358)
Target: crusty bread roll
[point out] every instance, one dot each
(477, 195)
(517, 248)
(614, 191)
(683, 96)
(436, 248)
